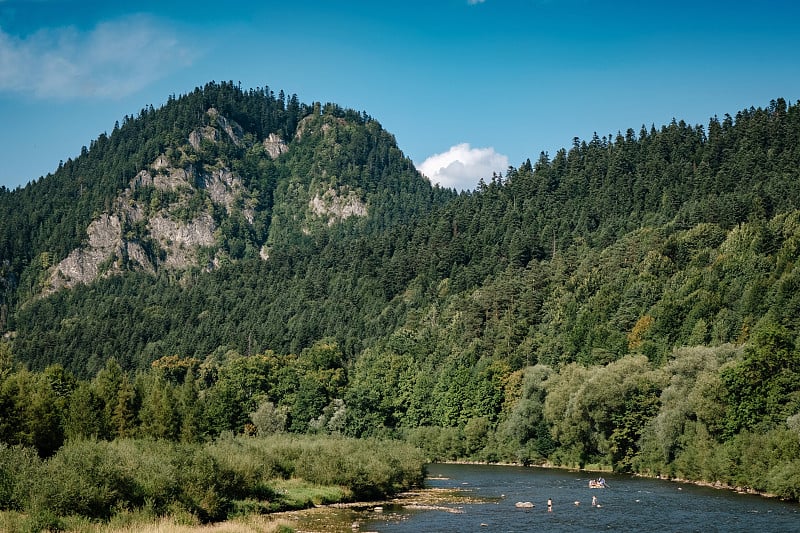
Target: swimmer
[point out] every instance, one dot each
(594, 501)
(549, 505)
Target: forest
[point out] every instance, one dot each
(629, 303)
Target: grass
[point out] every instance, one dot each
(299, 494)
(248, 524)
(13, 522)
(151, 485)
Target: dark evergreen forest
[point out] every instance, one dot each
(629, 302)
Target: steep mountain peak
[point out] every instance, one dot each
(222, 194)
(213, 177)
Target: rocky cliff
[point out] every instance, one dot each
(170, 214)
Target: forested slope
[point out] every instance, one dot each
(291, 221)
(628, 302)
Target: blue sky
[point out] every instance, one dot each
(469, 86)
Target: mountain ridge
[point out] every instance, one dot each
(193, 177)
(241, 201)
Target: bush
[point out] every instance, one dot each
(90, 479)
(784, 480)
(18, 466)
(166, 474)
(151, 465)
(205, 487)
(367, 468)
(86, 478)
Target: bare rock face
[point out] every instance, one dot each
(83, 264)
(233, 129)
(166, 179)
(275, 146)
(167, 231)
(207, 133)
(180, 240)
(101, 257)
(306, 125)
(225, 188)
(137, 255)
(107, 246)
(148, 236)
(210, 133)
(303, 127)
(160, 163)
(337, 206)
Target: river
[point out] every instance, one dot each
(482, 498)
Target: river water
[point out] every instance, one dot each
(488, 497)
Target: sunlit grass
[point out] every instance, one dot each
(14, 522)
(151, 485)
(249, 524)
(297, 494)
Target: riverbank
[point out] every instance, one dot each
(324, 518)
(130, 483)
(721, 486)
(346, 517)
(594, 469)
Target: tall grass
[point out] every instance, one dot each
(370, 469)
(142, 480)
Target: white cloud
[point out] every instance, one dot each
(473, 2)
(113, 60)
(461, 166)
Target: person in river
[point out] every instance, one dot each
(594, 501)
(549, 505)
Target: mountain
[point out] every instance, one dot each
(204, 178)
(630, 301)
(207, 192)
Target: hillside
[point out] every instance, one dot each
(216, 193)
(628, 302)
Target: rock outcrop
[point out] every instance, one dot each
(336, 206)
(164, 233)
(275, 146)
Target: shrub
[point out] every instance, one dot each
(90, 479)
(784, 480)
(205, 487)
(18, 466)
(369, 468)
(85, 478)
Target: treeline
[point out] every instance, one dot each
(682, 420)
(728, 414)
(198, 441)
(673, 178)
(179, 399)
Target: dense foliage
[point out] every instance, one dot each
(629, 303)
(97, 479)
